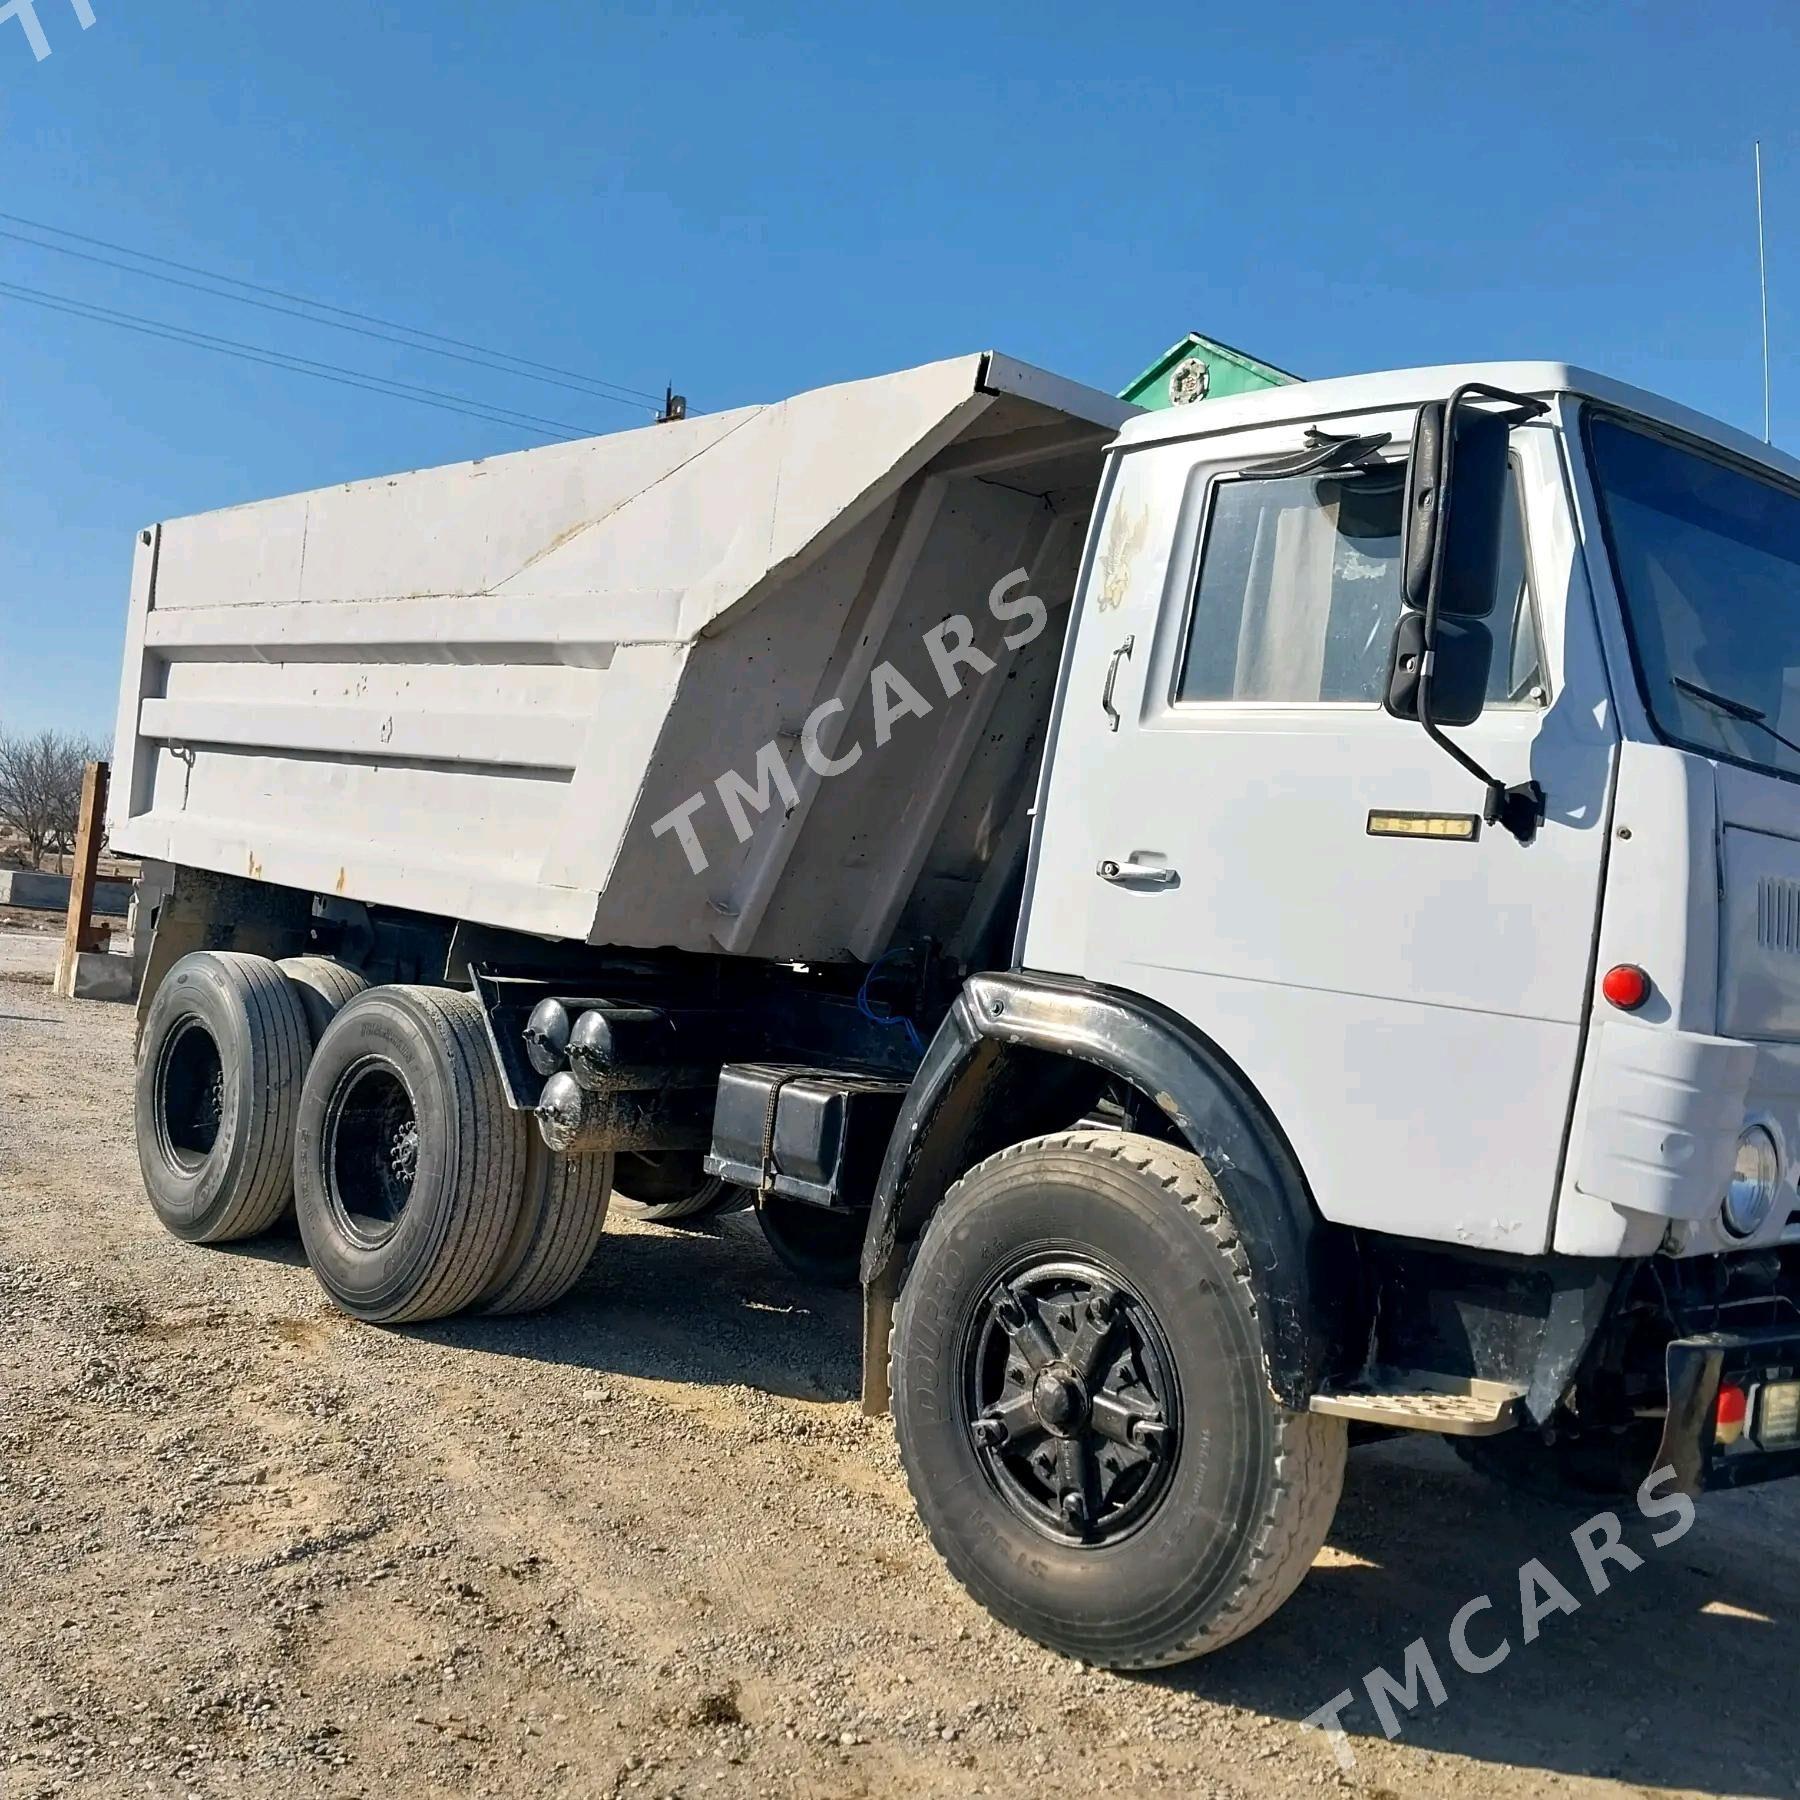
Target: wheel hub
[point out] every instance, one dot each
(371, 1151)
(1071, 1398)
(190, 1096)
(1060, 1402)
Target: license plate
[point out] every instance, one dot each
(1778, 1415)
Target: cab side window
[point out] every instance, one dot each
(1299, 588)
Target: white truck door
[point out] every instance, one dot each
(1211, 836)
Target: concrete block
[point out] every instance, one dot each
(41, 892)
(100, 976)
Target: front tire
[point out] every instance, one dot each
(1083, 1410)
(409, 1166)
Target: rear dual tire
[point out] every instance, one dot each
(225, 1049)
(408, 1163)
(420, 1192)
(323, 987)
(561, 1219)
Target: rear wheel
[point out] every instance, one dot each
(224, 1049)
(1083, 1410)
(671, 1187)
(323, 986)
(409, 1166)
(559, 1227)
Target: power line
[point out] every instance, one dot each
(383, 337)
(301, 365)
(619, 391)
(298, 365)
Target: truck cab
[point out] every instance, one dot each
(1249, 836)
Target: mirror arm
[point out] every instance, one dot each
(1519, 808)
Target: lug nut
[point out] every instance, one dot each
(1149, 1434)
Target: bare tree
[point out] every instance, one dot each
(40, 788)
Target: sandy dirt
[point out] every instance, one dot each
(647, 1545)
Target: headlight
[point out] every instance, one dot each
(1752, 1190)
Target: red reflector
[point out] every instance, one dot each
(1626, 986)
(1731, 1415)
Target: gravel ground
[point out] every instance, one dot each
(27, 955)
(648, 1545)
(31, 944)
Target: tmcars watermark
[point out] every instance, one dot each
(26, 12)
(1599, 1542)
(951, 647)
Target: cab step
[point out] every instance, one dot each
(1419, 1400)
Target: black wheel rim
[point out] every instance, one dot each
(190, 1096)
(371, 1150)
(1070, 1399)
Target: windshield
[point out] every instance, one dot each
(1708, 561)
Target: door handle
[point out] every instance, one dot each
(1112, 675)
(1137, 874)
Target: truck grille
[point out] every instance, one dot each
(1778, 914)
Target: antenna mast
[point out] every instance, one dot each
(1762, 266)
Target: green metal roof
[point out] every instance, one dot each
(1198, 367)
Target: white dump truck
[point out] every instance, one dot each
(1245, 929)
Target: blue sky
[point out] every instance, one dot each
(757, 201)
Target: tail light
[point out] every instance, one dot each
(1733, 1410)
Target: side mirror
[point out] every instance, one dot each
(1465, 655)
(1456, 495)
(1455, 510)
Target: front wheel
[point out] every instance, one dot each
(1083, 1411)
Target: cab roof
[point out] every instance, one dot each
(1315, 401)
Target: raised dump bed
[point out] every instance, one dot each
(474, 691)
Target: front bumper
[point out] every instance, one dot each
(1697, 1368)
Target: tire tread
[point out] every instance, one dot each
(325, 987)
(278, 1047)
(559, 1229)
(487, 1143)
